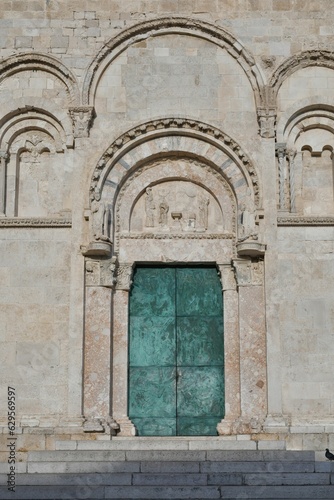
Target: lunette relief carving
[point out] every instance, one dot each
(82, 118)
(188, 209)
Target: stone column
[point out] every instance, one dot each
(253, 365)
(97, 346)
(231, 349)
(120, 349)
(281, 153)
(291, 155)
(3, 162)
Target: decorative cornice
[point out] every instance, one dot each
(305, 221)
(176, 124)
(34, 222)
(194, 27)
(177, 236)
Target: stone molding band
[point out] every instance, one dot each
(40, 222)
(305, 221)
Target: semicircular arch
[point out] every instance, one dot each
(169, 25)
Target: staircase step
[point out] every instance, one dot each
(276, 492)
(142, 443)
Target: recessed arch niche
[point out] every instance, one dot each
(180, 161)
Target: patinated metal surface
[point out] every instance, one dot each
(176, 357)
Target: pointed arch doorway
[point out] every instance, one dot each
(176, 351)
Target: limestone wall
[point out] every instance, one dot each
(92, 93)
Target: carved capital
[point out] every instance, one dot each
(243, 271)
(124, 276)
(267, 122)
(227, 276)
(82, 118)
(249, 272)
(280, 150)
(101, 272)
(4, 156)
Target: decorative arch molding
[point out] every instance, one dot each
(210, 142)
(323, 58)
(316, 106)
(43, 62)
(17, 115)
(175, 25)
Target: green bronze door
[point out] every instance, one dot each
(176, 355)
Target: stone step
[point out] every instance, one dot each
(167, 492)
(171, 479)
(143, 443)
(170, 455)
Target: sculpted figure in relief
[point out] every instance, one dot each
(247, 227)
(203, 212)
(100, 218)
(149, 208)
(163, 211)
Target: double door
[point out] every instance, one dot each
(176, 354)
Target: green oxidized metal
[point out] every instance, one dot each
(176, 351)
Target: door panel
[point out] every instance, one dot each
(176, 355)
(153, 392)
(200, 341)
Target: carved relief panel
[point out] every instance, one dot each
(177, 206)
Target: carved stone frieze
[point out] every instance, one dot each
(177, 236)
(294, 220)
(35, 222)
(124, 276)
(169, 124)
(82, 118)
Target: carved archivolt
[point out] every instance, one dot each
(243, 172)
(179, 25)
(43, 62)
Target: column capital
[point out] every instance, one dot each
(227, 277)
(124, 273)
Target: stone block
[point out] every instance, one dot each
(165, 455)
(169, 479)
(286, 492)
(286, 479)
(271, 445)
(163, 492)
(255, 467)
(134, 444)
(77, 456)
(222, 444)
(170, 467)
(80, 467)
(59, 42)
(23, 42)
(52, 492)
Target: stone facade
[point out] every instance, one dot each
(166, 131)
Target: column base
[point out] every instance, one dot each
(126, 427)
